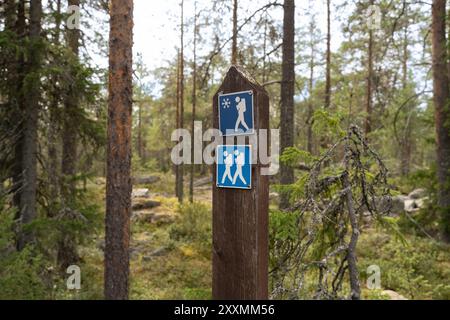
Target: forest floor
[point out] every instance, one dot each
(170, 254)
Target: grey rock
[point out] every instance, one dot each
(203, 181)
(411, 205)
(142, 204)
(393, 295)
(274, 196)
(145, 180)
(142, 216)
(162, 251)
(163, 218)
(101, 244)
(159, 252)
(140, 193)
(152, 217)
(398, 205)
(417, 194)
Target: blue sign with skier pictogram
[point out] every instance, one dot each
(236, 113)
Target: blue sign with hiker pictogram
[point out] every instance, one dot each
(234, 167)
(236, 113)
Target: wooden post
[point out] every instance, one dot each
(240, 217)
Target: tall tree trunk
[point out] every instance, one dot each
(177, 125)
(405, 148)
(351, 251)
(12, 113)
(234, 52)
(328, 58)
(180, 181)
(264, 63)
(10, 9)
(194, 105)
(53, 165)
(287, 95)
(69, 153)
(442, 111)
(67, 251)
(310, 102)
(368, 120)
(118, 180)
(19, 105)
(30, 145)
(139, 135)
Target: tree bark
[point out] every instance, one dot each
(234, 50)
(67, 251)
(287, 95)
(177, 125)
(309, 121)
(139, 135)
(28, 193)
(351, 253)
(264, 63)
(69, 153)
(328, 62)
(12, 111)
(10, 9)
(118, 180)
(19, 105)
(52, 151)
(194, 105)
(405, 148)
(368, 120)
(442, 111)
(180, 180)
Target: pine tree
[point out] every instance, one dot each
(118, 181)
(287, 95)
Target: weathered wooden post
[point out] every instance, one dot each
(240, 215)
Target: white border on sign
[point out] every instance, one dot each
(253, 113)
(217, 166)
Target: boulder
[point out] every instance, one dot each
(152, 217)
(411, 205)
(417, 194)
(100, 181)
(395, 205)
(162, 251)
(101, 244)
(393, 295)
(421, 202)
(398, 205)
(162, 218)
(142, 216)
(143, 204)
(145, 180)
(203, 181)
(140, 193)
(274, 196)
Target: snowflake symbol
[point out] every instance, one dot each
(226, 103)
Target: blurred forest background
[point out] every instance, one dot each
(370, 115)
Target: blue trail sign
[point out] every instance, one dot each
(236, 113)
(234, 168)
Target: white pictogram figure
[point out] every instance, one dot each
(240, 162)
(241, 108)
(228, 161)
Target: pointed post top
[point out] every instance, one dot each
(238, 71)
